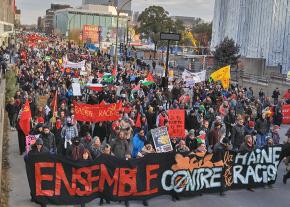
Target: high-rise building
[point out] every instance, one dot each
(7, 16)
(17, 18)
(49, 17)
(119, 3)
(261, 28)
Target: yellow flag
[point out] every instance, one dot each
(225, 83)
(223, 75)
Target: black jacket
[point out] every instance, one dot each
(262, 126)
(48, 141)
(238, 134)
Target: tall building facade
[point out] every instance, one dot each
(7, 16)
(72, 22)
(119, 3)
(49, 17)
(260, 27)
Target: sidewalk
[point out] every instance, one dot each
(19, 195)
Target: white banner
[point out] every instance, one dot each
(78, 65)
(193, 78)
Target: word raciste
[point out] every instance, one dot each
(56, 180)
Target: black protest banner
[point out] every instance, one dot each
(55, 180)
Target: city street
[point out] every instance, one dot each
(85, 118)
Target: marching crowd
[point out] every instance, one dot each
(216, 119)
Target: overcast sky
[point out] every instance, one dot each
(31, 9)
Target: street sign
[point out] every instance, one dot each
(170, 36)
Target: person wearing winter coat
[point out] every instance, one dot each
(138, 143)
(68, 133)
(229, 121)
(248, 144)
(38, 148)
(120, 146)
(278, 117)
(262, 127)
(161, 118)
(238, 133)
(75, 151)
(250, 129)
(151, 118)
(214, 135)
(275, 135)
(12, 113)
(48, 139)
(181, 147)
(96, 147)
(100, 130)
(87, 140)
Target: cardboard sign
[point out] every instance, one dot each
(161, 140)
(76, 89)
(176, 123)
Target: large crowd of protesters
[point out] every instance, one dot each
(232, 119)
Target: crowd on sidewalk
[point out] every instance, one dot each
(230, 119)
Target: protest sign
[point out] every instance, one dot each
(192, 78)
(76, 89)
(42, 100)
(176, 123)
(97, 112)
(161, 140)
(286, 114)
(30, 140)
(58, 181)
(73, 65)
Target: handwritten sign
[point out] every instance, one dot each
(176, 123)
(30, 140)
(161, 140)
(286, 114)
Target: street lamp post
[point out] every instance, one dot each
(117, 32)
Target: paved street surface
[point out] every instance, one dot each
(279, 196)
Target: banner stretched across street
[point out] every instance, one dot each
(55, 180)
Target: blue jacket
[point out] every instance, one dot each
(138, 145)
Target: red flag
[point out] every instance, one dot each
(114, 72)
(138, 121)
(150, 77)
(24, 121)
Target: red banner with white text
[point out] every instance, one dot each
(176, 123)
(98, 112)
(286, 114)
